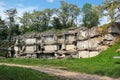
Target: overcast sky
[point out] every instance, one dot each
(29, 5)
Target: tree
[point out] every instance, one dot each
(44, 20)
(86, 8)
(11, 13)
(47, 15)
(3, 30)
(67, 14)
(56, 23)
(90, 15)
(96, 13)
(37, 20)
(74, 12)
(26, 21)
(112, 8)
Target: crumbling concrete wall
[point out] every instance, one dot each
(76, 42)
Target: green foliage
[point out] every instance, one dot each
(16, 73)
(13, 28)
(3, 30)
(36, 21)
(56, 23)
(90, 20)
(91, 17)
(87, 8)
(112, 7)
(60, 18)
(26, 22)
(103, 64)
(4, 44)
(63, 17)
(68, 14)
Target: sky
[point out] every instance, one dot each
(30, 5)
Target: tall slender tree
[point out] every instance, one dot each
(90, 15)
(11, 13)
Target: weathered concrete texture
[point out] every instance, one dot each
(110, 37)
(76, 42)
(70, 38)
(87, 54)
(94, 32)
(82, 34)
(102, 48)
(51, 47)
(61, 39)
(31, 56)
(83, 54)
(49, 40)
(90, 44)
(70, 47)
(16, 48)
(115, 28)
(30, 49)
(85, 33)
(30, 41)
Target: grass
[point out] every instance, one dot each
(17, 73)
(103, 64)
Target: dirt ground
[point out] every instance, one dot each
(63, 73)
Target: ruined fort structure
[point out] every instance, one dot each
(78, 42)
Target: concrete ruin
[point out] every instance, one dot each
(76, 42)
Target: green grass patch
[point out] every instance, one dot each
(103, 64)
(17, 73)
